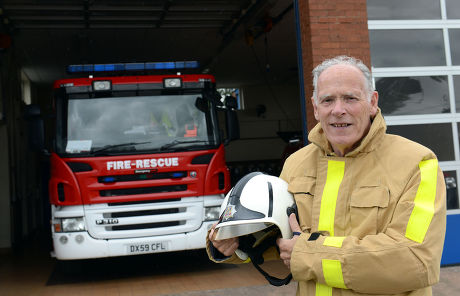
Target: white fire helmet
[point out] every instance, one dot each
(257, 202)
(256, 211)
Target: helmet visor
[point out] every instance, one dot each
(229, 229)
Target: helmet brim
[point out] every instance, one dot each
(237, 228)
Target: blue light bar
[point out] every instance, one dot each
(104, 67)
(121, 67)
(150, 66)
(191, 64)
(99, 68)
(77, 68)
(88, 68)
(134, 66)
(170, 65)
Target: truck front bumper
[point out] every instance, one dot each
(80, 245)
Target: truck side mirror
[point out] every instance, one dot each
(231, 119)
(233, 127)
(201, 104)
(35, 128)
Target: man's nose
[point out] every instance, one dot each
(338, 108)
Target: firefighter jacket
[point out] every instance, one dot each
(373, 221)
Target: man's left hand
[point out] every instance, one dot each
(287, 245)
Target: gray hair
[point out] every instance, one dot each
(342, 60)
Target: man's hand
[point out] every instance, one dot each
(286, 245)
(225, 246)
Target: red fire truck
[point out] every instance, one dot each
(138, 163)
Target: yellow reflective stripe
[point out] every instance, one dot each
(247, 260)
(423, 211)
(332, 271)
(323, 290)
(335, 171)
(334, 241)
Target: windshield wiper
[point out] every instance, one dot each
(107, 147)
(178, 142)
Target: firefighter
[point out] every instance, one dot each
(371, 206)
(161, 121)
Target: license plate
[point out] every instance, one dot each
(148, 248)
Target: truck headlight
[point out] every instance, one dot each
(211, 213)
(73, 224)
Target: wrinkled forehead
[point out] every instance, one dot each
(347, 77)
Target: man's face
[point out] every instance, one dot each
(343, 107)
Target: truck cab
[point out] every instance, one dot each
(137, 164)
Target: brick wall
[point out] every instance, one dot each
(329, 28)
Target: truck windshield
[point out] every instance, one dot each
(157, 123)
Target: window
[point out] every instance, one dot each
(415, 55)
(236, 92)
(437, 137)
(407, 48)
(452, 192)
(25, 88)
(454, 38)
(138, 123)
(453, 9)
(413, 95)
(404, 9)
(457, 92)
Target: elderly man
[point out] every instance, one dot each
(371, 205)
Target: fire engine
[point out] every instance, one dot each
(138, 162)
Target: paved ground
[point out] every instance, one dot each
(31, 271)
(449, 285)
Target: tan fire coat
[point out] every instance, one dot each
(381, 212)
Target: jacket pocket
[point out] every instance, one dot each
(303, 189)
(367, 206)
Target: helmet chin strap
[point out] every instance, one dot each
(246, 244)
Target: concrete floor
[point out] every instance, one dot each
(31, 271)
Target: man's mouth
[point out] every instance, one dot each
(340, 124)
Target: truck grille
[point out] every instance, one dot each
(142, 177)
(145, 226)
(136, 202)
(143, 213)
(142, 190)
(144, 219)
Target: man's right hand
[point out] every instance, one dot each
(225, 246)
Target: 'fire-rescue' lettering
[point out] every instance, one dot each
(143, 163)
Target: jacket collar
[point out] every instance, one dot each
(368, 143)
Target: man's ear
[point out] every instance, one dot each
(315, 110)
(374, 103)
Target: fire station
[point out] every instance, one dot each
(260, 53)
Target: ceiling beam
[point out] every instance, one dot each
(166, 5)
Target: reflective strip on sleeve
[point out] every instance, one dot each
(332, 271)
(323, 290)
(334, 241)
(423, 211)
(335, 172)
